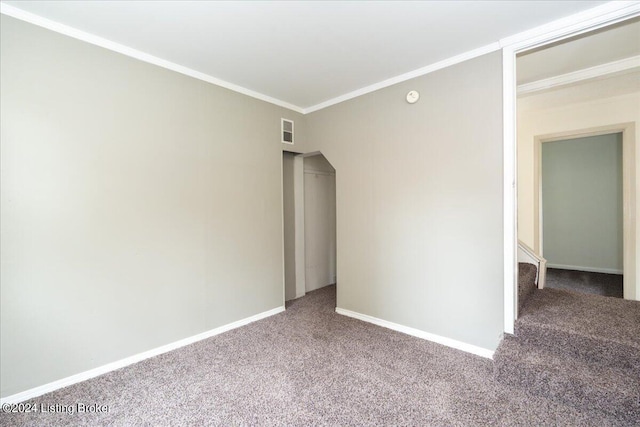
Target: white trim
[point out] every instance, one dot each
(284, 271)
(597, 17)
(83, 376)
(510, 200)
(622, 65)
(458, 345)
(590, 19)
(298, 206)
(529, 256)
(34, 19)
(125, 50)
(587, 269)
(578, 23)
(406, 76)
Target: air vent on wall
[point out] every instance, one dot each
(287, 131)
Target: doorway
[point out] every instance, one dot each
(309, 223)
(320, 222)
(566, 86)
(581, 213)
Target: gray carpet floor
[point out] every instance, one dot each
(309, 366)
(527, 274)
(577, 348)
(599, 318)
(609, 285)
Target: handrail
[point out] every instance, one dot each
(528, 255)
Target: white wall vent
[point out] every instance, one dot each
(287, 131)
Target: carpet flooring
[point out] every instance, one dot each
(609, 285)
(309, 366)
(580, 349)
(527, 274)
(601, 319)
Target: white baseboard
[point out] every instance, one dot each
(587, 269)
(459, 345)
(83, 376)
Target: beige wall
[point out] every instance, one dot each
(139, 206)
(318, 163)
(419, 201)
(562, 118)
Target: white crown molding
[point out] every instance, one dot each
(83, 376)
(573, 25)
(34, 19)
(598, 71)
(602, 15)
(58, 27)
(458, 345)
(406, 76)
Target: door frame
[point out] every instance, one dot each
(629, 191)
(605, 15)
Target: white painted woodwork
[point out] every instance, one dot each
(528, 255)
(233, 44)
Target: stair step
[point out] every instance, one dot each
(526, 282)
(574, 381)
(592, 328)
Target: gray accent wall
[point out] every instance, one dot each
(139, 206)
(419, 201)
(582, 203)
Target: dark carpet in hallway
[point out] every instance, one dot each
(309, 366)
(609, 285)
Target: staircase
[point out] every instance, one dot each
(526, 283)
(583, 350)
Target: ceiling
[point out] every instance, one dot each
(303, 53)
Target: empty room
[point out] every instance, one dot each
(294, 213)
